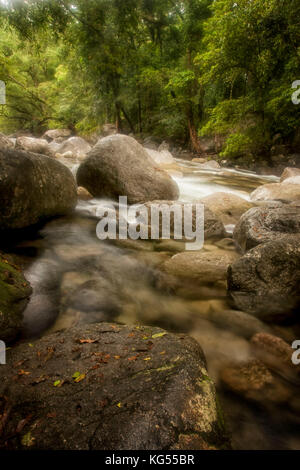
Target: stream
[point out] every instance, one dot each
(78, 279)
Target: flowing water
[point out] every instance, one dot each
(78, 279)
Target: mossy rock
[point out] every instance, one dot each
(14, 295)
(110, 387)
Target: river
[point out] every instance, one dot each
(77, 279)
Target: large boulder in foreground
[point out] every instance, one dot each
(119, 166)
(109, 387)
(266, 224)
(276, 192)
(14, 296)
(265, 282)
(33, 188)
(227, 206)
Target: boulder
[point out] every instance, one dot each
(266, 224)
(254, 382)
(213, 226)
(276, 354)
(265, 281)
(227, 206)
(31, 144)
(292, 180)
(55, 134)
(109, 387)
(5, 142)
(290, 173)
(201, 266)
(33, 188)
(199, 160)
(276, 192)
(83, 194)
(14, 296)
(119, 166)
(78, 146)
(163, 157)
(164, 146)
(239, 323)
(152, 143)
(54, 147)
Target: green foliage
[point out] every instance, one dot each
(237, 145)
(251, 57)
(179, 68)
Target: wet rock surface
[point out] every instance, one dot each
(253, 381)
(267, 224)
(5, 142)
(213, 226)
(290, 173)
(14, 296)
(109, 387)
(277, 192)
(228, 207)
(33, 188)
(31, 144)
(202, 267)
(119, 166)
(56, 134)
(265, 281)
(75, 147)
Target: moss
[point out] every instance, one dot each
(14, 295)
(13, 286)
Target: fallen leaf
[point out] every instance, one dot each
(133, 358)
(88, 341)
(23, 372)
(158, 335)
(27, 440)
(80, 378)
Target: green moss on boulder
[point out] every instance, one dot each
(14, 295)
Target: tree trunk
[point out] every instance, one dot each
(194, 140)
(118, 118)
(126, 116)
